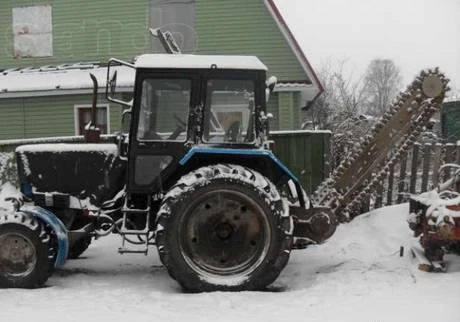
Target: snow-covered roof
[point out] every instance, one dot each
(59, 80)
(199, 61)
(66, 79)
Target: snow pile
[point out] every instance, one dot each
(356, 276)
(8, 191)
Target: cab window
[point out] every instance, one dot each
(164, 109)
(229, 111)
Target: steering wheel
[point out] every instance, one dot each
(181, 126)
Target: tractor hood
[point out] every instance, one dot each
(90, 173)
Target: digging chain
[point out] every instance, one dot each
(352, 182)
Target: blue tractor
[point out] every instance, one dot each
(191, 173)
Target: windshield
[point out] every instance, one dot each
(229, 111)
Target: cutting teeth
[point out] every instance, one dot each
(419, 108)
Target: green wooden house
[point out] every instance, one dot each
(49, 47)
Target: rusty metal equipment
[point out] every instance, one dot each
(435, 219)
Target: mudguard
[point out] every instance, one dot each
(58, 227)
(249, 155)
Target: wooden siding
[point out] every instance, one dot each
(306, 154)
(117, 28)
(99, 30)
(287, 114)
(34, 117)
(272, 107)
(93, 31)
(245, 27)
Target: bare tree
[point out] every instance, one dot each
(341, 99)
(382, 82)
(339, 108)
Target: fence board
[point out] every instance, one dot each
(436, 164)
(402, 176)
(414, 169)
(449, 158)
(390, 186)
(379, 196)
(426, 166)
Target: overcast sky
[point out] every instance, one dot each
(416, 34)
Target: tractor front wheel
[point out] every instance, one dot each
(25, 252)
(224, 227)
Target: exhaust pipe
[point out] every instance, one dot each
(92, 132)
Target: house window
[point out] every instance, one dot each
(177, 17)
(32, 31)
(83, 117)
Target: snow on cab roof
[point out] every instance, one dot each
(199, 61)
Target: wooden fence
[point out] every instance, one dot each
(417, 172)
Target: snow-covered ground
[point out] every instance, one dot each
(356, 276)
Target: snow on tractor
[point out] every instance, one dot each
(193, 178)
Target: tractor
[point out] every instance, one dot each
(185, 174)
(192, 173)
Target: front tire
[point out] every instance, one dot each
(224, 227)
(25, 252)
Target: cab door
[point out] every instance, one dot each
(160, 131)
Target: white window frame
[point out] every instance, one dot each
(77, 119)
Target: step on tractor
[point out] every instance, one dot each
(192, 173)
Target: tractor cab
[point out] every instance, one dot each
(184, 101)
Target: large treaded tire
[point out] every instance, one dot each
(35, 242)
(194, 206)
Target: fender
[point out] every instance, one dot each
(58, 227)
(266, 154)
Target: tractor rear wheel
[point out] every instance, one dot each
(25, 252)
(224, 227)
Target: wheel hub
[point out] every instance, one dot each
(224, 230)
(223, 233)
(17, 255)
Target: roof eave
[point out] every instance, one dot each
(286, 32)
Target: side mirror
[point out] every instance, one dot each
(111, 82)
(112, 85)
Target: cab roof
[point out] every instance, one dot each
(182, 61)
